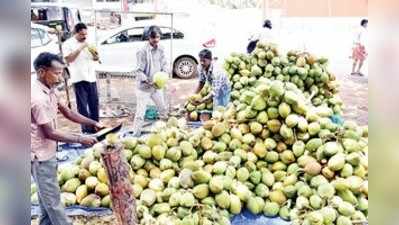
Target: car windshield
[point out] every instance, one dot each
(35, 39)
(47, 13)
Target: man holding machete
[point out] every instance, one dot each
(45, 105)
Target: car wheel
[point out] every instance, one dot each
(185, 67)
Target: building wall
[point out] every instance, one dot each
(317, 8)
(349, 7)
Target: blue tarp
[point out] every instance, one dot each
(337, 119)
(243, 218)
(246, 217)
(75, 210)
(67, 153)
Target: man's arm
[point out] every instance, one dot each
(201, 84)
(74, 54)
(164, 63)
(207, 98)
(202, 80)
(76, 117)
(53, 134)
(141, 65)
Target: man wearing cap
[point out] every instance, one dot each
(209, 72)
(150, 60)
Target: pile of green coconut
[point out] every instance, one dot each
(274, 151)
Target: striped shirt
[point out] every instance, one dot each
(216, 77)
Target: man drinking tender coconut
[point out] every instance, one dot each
(208, 72)
(82, 59)
(45, 105)
(150, 60)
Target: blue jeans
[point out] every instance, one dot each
(222, 98)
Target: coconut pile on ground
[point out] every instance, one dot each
(273, 152)
(308, 73)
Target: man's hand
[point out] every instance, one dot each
(95, 57)
(98, 126)
(148, 83)
(87, 140)
(83, 46)
(198, 102)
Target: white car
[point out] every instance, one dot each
(42, 41)
(117, 49)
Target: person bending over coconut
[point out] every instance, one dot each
(209, 72)
(359, 53)
(151, 59)
(45, 105)
(266, 35)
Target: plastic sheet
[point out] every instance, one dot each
(68, 153)
(75, 210)
(246, 217)
(337, 119)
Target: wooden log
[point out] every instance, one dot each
(123, 201)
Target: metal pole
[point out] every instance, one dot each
(171, 60)
(65, 71)
(171, 44)
(108, 81)
(95, 24)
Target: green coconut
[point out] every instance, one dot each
(187, 200)
(201, 176)
(278, 197)
(219, 167)
(268, 178)
(343, 220)
(216, 184)
(158, 152)
(71, 185)
(102, 189)
(223, 200)
(218, 129)
(255, 205)
(235, 204)
(315, 201)
(336, 162)
(284, 110)
(271, 209)
(346, 209)
(242, 174)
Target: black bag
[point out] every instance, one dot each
(251, 46)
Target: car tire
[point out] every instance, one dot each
(185, 67)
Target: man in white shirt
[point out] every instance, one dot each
(81, 66)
